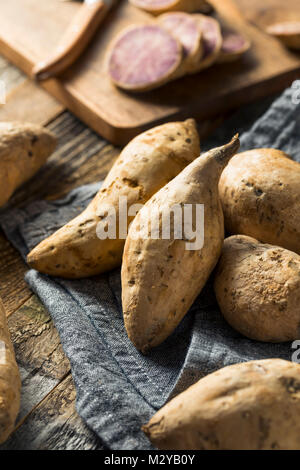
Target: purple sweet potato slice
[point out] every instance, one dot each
(157, 7)
(143, 57)
(288, 32)
(188, 32)
(212, 41)
(233, 47)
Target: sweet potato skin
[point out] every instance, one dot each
(260, 194)
(146, 164)
(249, 406)
(160, 277)
(24, 148)
(258, 289)
(287, 32)
(189, 6)
(10, 383)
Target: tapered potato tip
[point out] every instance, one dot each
(223, 154)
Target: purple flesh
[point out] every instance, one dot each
(210, 37)
(232, 42)
(142, 56)
(184, 28)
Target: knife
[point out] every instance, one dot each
(76, 38)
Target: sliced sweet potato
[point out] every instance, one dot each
(234, 45)
(144, 57)
(212, 41)
(188, 32)
(288, 32)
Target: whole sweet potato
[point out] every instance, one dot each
(24, 148)
(10, 383)
(162, 275)
(258, 289)
(146, 164)
(249, 406)
(260, 194)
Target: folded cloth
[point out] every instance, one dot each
(119, 389)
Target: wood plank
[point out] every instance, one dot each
(13, 289)
(30, 103)
(39, 354)
(87, 91)
(54, 424)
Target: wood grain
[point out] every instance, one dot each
(13, 289)
(54, 425)
(47, 419)
(29, 102)
(87, 91)
(38, 352)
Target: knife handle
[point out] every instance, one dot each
(74, 41)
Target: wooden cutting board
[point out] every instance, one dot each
(31, 29)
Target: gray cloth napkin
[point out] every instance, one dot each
(119, 389)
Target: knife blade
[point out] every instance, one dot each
(76, 38)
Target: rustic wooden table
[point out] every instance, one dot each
(48, 419)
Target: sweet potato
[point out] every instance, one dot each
(24, 148)
(146, 164)
(249, 406)
(157, 7)
(144, 57)
(162, 276)
(258, 289)
(212, 42)
(260, 194)
(10, 383)
(234, 45)
(188, 32)
(288, 32)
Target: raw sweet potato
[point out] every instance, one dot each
(258, 289)
(212, 41)
(260, 194)
(188, 32)
(234, 45)
(144, 57)
(10, 383)
(249, 406)
(288, 32)
(162, 276)
(157, 7)
(24, 148)
(146, 164)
